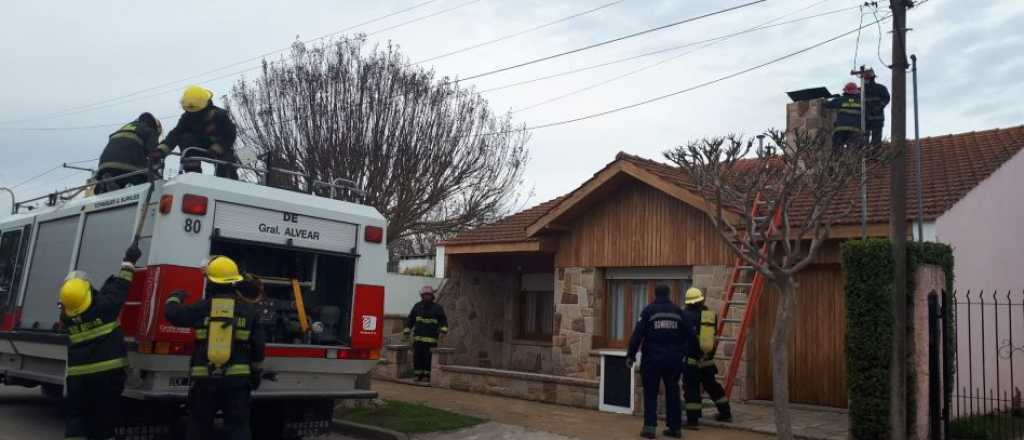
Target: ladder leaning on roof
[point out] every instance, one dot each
(743, 290)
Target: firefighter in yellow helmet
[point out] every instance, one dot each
(206, 126)
(228, 357)
(96, 354)
(700, 367)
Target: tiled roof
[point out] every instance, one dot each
(952, 165)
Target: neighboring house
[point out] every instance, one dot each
(542, 290)
(422, 265)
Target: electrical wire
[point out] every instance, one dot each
(686, 90)
(516, 34)
(97, 105)
(856, 47)
(709, 43)
(875, 14)
(610, 41)
(660, 51)
(37, 176)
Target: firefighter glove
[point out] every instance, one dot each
(629, 362)
(132, 254)
(178, 296)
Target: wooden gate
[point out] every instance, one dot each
(817, 359)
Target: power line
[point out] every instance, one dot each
(100, 104)
(856, 47)
(689, 89)
(522, 32)
(660, 51)
(37, 176)
(709, 43)
(610, 41)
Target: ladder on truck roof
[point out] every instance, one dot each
(743, 289)
(66, 194)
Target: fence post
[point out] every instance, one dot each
(934, 370)
(948, 358)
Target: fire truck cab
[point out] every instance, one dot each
(322, 263)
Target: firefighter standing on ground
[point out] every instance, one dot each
(129, 149)
(426, 323)
(227, 360)
(700, 360)
(203, 125)
(96, 354)
(661, 336)
(847, 127)
(876, 98)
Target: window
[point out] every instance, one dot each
(536, 315)
(626, 299)
(12, 261)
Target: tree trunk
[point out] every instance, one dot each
(780, 355)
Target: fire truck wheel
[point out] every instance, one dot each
(52, 392)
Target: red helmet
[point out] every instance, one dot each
(851, 88)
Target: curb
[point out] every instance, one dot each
(366, 432)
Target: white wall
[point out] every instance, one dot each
(401, 292)
(439, 262)
(986, 229)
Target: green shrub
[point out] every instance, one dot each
(868, 266)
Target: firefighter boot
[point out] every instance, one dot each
(672, 434)
(649, 432)
(724, 413)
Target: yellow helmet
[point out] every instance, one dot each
(694, 295)
(195, 98)
(222, 270)
(76, 294)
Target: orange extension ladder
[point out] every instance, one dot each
(743, 289)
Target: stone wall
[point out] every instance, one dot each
(578, 317)
(581, 393)
(811, 117)
(480, 321)
(530, 356)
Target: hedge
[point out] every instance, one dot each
(868, 266)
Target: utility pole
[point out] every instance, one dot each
(917, 157)
(898, 223)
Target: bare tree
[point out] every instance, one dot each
(811, 186)
(430, 155)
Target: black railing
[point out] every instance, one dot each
(988, 344)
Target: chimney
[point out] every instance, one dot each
(812, 118)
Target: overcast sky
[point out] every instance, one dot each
(65, 55)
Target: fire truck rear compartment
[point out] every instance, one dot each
(325, 281)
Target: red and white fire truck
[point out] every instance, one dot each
(322, 262)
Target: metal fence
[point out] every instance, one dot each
(988, 377)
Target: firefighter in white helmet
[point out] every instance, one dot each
(426, 324)
(96, 352)
(228, 356)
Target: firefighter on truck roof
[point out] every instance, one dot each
(206, 126)
(96, 354)
(426, 323)
(129, 149)
(227, 360)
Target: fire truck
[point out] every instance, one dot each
(322, 263)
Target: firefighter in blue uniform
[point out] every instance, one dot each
(96, 353)
(426, 323)
(661, 337)
(700, 360)
(876, 98)
(227, 360)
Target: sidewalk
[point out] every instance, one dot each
(538, 418)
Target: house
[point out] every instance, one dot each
(539, 292)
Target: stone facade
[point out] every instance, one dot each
(480, 322)
(578, 316)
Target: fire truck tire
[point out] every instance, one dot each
(52, 392)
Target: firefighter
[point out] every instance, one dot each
(227, 361)
(700, 362)
(129, 149)
(96, 354)
(847, 126)
(206, 126)
(876, 98)
(661, 336)
(426, 324)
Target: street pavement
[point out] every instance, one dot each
(26, 414)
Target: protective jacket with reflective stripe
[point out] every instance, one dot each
(249, 340)
(210, 128)
(95, 340)
(427, 321)
(660, 335)
(128, 147)
(700, 317)
(848, 117)
(876, 97)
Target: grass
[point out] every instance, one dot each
(409, 418)
(988, 427)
